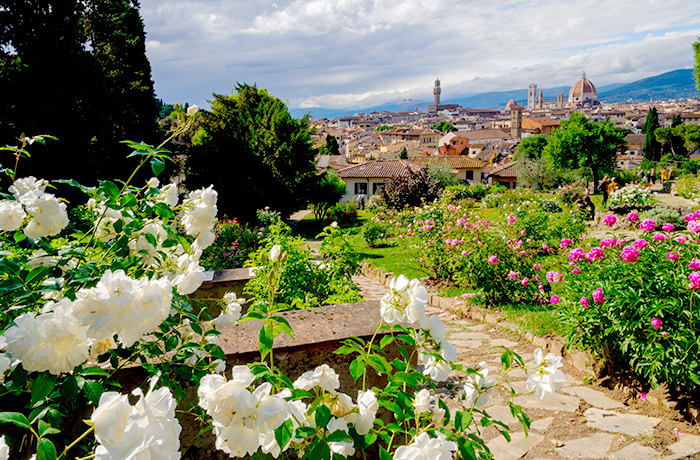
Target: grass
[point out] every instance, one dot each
(390, 258)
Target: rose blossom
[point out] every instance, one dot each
(575, 271)
(640, 243)
(554, 277)
(667, 227)
(554, 300)
(512, 275)
(648, 225)
(598, 296)
(524, 282)
(633, 217)
(680, 239)
(576, 254)
(537, 267)
(694, 280)
(656, 323)
(660, 237)
(629, 254)
(565, 242)
(608, 242)
(610, 220)
(493, 260)
(584, 301)
(694, 264)
(673, 255)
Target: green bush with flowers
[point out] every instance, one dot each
(233, 243)
(632, 196)
(635, 302)
(81, 308)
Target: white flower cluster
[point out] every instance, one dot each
(231, 313)
(48, 214)
(60, 337)
(425, 447)
(406, 302)
(244, 420)
(148, 429)
(199, 213)
(4, 449)
(547, 378)
(631, 195)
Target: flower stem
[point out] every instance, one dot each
(74, 443)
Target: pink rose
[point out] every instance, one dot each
(694, 226)
(610, 220)
(608, 242)
(554, 300)
(656, 323)
(673, 255)
(633, 217)
(664, 333)
(667, 227)
(680, 239)
(576, 254)
(554, 277)
(640, 243)
(584, 301)
(512, 275)
(648, 225)
(694, 264)
(660, 237)
(575, 271)
(524, 282)
(565, 242)
(595, 253)
(493, 260)
(694, 280)
(537, 267)
(464, 253)
(598, 296)
(511, 218)
(629, 254)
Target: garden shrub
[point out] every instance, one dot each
(410, 189)
(343, 213)
(688, 187)
(456, 193)
(303, 283)
(374, 232)
(267, 216)
(662, 215)
(624, 177)
(232, 244)
(635, 304)
(375, 203)
(568, 194)
(631, 196)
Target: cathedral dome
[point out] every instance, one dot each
(583, 92)
(511, 104)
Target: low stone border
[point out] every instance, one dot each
(581, 360)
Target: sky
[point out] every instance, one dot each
(353, 54)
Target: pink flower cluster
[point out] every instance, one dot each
(565, 242)
(656, 323)
(667, 227)
(610, 220)
(598, 296)
(694, 280)
(554, 277)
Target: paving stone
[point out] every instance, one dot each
(478, 327)
(593, 397)
(636, 451)
(593, 447)
(685, 443)
(629, 424)
(502, 414)
(517, 374)
(516, 448)
(541, 424)
(468, 336)
(503, 343)
(519, 387)
(466, 343)
(555, 402)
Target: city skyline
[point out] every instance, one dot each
(356, 53)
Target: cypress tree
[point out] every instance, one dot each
(652, 149)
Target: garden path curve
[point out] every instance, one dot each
(584, 421)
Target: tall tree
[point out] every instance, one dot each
(531, 147)
(581, 143)
(254, 153)
(75, 69)
(652, 148)
(696, 51)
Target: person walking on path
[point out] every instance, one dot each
(664, 175)
(612, 186)
(604, 189)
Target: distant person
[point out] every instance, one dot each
(653, 176)
(612, 186)
(694, 169)
(604, 189)
(362, 201)
(589, 206)
(664, 175)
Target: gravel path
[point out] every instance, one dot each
(584, 421)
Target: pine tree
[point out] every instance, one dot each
(652, 150)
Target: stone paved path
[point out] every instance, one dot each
(581, 422)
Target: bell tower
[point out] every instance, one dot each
(531, 96)
(436, 94)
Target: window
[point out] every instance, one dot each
(360, 188)
(376, 186)
(469, 174)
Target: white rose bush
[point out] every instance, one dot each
(82, 306)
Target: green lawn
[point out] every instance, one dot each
(390, 258)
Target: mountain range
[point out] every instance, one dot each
(670, 85)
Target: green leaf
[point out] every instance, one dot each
(357, 367)
(109, 188)
(69, 388)
(283, 433)
(94, 371)
(45, 450)
(265, 340)
(321, 451)
(157, 166)
(35, 274)
(19, 236)
(42, 386)
(93, 390)
(46, 428)
(15, 417)
(506, 360)
(386, 340)
(163, 210)
(322, 416)
(383, 454)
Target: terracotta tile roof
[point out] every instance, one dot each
(453, 161)
(635, 139)
(483, 134)
(506, 170)
(379, 169)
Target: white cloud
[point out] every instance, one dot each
(355, 53)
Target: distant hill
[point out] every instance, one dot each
(670, 85)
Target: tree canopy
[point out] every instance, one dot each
(652, 148)
(581, 143)
(696, 51)
(444, 127)
(254, 153)
(77, 70)
(531, 147)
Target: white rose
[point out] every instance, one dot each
(368, 405)
(11, 215)
(49, 217)
(168, 195)
(191, 110)
(422, 401)
(26, 185)
(275, 252)
(4, 449)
